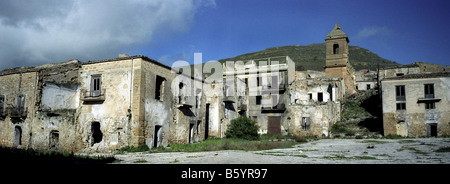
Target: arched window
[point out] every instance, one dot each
(336, 49)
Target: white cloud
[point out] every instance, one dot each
(367, 32)
(37, 32)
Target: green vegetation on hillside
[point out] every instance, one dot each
(361, 114)
(312, 57)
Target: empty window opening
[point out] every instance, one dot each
(306, 123)
(399, 74)
(356, 86)
(310, 96)
(17, 136)
(401, 106)
(54, 140)
(157, 136)
(97, 134)
(320, 97)
(400, 93)
(180, 89)
(368, 86)
(258, 100)
(159, 88)
(20, 104)
(429, 90)
(96, 81)
(430, 105)
(336, 49)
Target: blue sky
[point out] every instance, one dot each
(402, 31)
(50, 31)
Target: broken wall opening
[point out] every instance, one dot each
(96, 133)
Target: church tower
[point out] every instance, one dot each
(337, 65)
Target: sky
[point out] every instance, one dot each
(51, 31)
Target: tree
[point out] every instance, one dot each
(243, 128)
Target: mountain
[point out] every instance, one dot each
(312, 57)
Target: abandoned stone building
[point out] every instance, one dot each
(366, 79)
(415, 100)
(97, 106)
(101, 106)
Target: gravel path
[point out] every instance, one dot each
(324, 151)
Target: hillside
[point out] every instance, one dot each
(312, 57)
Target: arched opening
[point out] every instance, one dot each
(96, 133)
(17, 136)
(336, 49)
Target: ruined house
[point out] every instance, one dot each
(415, 100)
(101, 106)
(366, 79)
(98, 106)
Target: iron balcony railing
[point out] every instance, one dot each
(93, 95)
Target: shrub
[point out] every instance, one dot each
(243, 128)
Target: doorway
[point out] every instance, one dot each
(17, 136)
(54, 140)
(207, 121)
(432, 129)
(157, 136)
(97, 134)
(274, 125)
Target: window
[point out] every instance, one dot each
(401, 106)
(159, 88)
(429, 90)
(306, 123)
(400, 93)
(399, 74)
(258, 100)
(336, 49)
(320, 96)
(96, 82)
(20, 104)
(429, 105)
(357, 86)
(2, 103)
(310, 96)
(368, 86)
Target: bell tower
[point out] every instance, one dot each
(337, 65)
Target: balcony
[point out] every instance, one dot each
(93, 96)
(229, 99)
(242, 107)
(428, 98)
(280, 107)
(184, 101)
(15, 112)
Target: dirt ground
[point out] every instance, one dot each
(323, 151)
